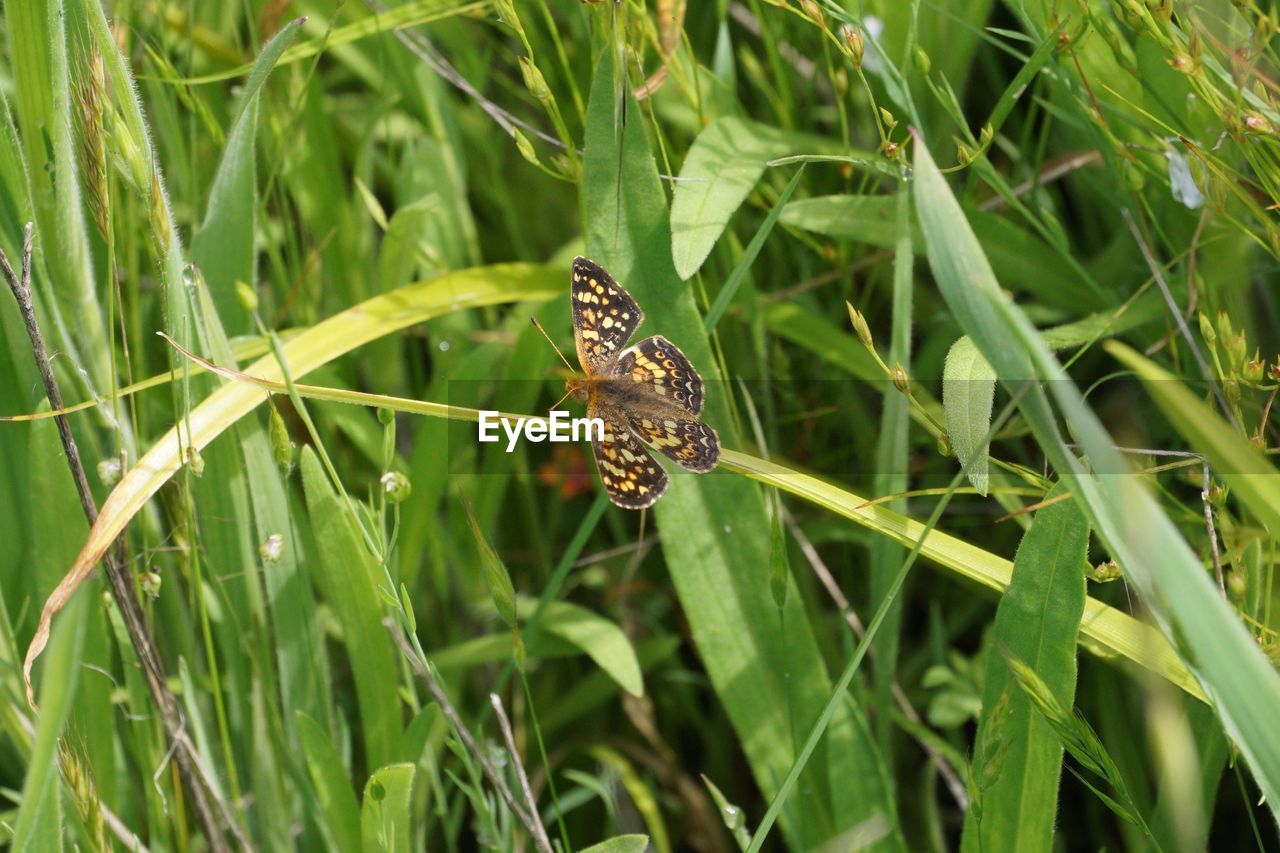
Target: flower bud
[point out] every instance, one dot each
(1206, 328)
(396, 486)
(195, 461)
(109, 470)
(1105, 572)
(533, 80)
(813, 12)
(1251, 371)
(149, 583)
(524, 146)
(860, 326)
(900, 380)
(922, 61)
(272, 549)
(281, 444)
(853, 45)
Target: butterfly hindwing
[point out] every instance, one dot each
(604, 315)
(693, 444)
(631, 477)
(659, 365)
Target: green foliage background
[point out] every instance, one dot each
(984, 297)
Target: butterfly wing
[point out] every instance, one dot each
(693, 444)
(604, 315)
(659, 365)
(631, 477)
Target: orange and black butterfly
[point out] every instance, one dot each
(646, 394)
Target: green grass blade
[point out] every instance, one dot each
(346, 575)
(715, 532)
(339, 811)
(1232, 671)
(1017, 759)
(38, 45)
(223, 247)
(739, 274)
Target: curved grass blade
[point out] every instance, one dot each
(1231, 669)
(1249, 474)
(318, 345)
(1105, 631)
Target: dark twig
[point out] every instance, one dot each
(189, 769)
(420, 669)
(540, 838)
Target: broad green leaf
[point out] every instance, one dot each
(620, 844)
(385, 810)
(968, 391)
(1017, 758)
(340, 814)
(722, 166)
(599, 638)
(1159, 564)
(715, 531)
(223, 246)
(1250, 475)
(346, 574)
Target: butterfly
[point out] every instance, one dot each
(645, 394)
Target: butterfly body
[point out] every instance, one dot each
(646, 394)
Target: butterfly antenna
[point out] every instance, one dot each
(558, 402)
(553, 346)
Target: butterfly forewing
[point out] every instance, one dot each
(647, 393)
(604, 315)
(658, 364)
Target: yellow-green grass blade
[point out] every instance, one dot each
(386, 20)
(319, 345)
(762, 659)
(1106, 631)
(1250, 475)
(1232, 671)
(39, 824)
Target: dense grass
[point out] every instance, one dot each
(983, 297)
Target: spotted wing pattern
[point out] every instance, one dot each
(660, 365)
(632, 478)
(604, 315)
(693, 444)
